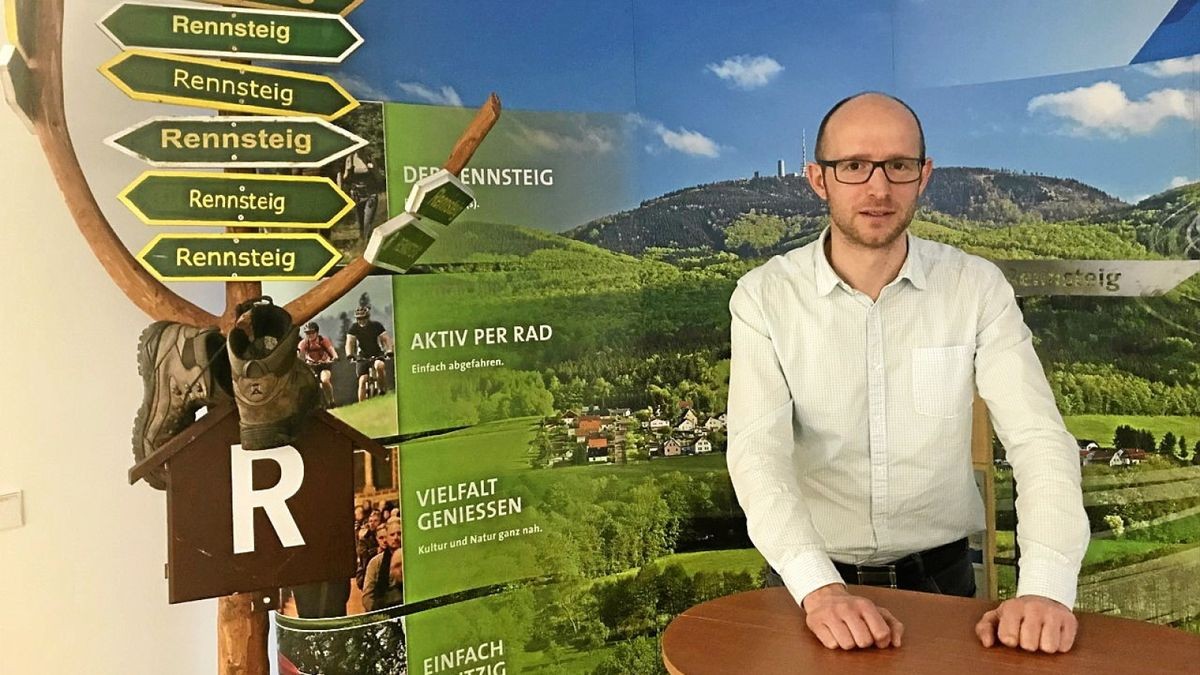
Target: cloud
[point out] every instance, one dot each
(587, 139)
(745, 71)
(682, 140)
(688, 142)
(1104, 108)
(1185, 65)
(444, 96)
(1180, 181)
(360, 88)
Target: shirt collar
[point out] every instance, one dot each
(827, 279)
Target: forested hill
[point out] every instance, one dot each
(698, 217)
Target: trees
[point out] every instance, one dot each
(755, 232)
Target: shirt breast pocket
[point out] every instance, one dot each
(943, 380)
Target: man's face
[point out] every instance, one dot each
(373, 519)
(874, 214)
(393, 536)
(381, 537)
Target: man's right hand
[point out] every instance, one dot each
(840, 619)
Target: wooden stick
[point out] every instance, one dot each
(147, 292)
(328, 291)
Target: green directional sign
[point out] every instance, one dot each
(19, 85)
(238, 257)
(236, 142)
(240, 33)
(193, 81)
(342, 7)
(235, 200)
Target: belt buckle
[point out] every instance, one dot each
(879, 576)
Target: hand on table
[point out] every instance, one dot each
(1031, 622)
(840, 619)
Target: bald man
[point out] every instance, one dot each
(855, 363)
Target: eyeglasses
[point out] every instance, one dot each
(858, 171)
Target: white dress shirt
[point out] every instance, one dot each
(850, 420)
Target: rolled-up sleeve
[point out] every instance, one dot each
(1052, 526)
(761, 450)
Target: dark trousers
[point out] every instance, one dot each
(946, 570)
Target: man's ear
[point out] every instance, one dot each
(926, 172)
(816, 179)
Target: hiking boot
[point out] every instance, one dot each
(183, 369)
(273, 388)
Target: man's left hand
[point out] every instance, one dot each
(1031, 622)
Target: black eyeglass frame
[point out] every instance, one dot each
(881, 164)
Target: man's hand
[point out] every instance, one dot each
(1030, 622)
(840, 619)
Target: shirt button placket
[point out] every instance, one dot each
(877, 403)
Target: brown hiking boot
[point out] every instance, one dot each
(273, 388)
(183, 369)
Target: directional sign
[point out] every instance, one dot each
(188, 80)
(20, 20)
(235, 200)
(20, 88)
(238, 257)
(1117, 278)
(236, 142)
(342, 7)
(242, 33)
(397, 244)
(440, 197)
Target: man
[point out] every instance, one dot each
(367, 544)
(369, 342)
(318, 352)
(384, 585)
(855, 359)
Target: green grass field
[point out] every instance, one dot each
(1100, 428)
(374, 417)
(732, 560)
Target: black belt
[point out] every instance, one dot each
(907, 572)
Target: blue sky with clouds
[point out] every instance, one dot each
(716, 90)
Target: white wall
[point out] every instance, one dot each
(81, 584)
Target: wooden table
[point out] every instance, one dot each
(763, 632)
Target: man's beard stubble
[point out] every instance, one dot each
(856, 238)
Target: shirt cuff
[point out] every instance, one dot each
(807, 572)
(1049, 580)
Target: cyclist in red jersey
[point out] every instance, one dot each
(318, 352)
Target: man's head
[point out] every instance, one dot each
(381, 537)
(311, 329)
(870, 127)
(362, 314)
(393, 534)
(373, 520)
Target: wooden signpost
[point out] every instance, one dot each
(236, 142)
(242, 623)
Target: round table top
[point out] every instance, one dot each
(763, 632)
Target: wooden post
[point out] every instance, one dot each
(241, 637)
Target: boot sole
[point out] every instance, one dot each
(148, 372)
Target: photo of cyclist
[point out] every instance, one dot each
(319, 354)
(368, 344)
